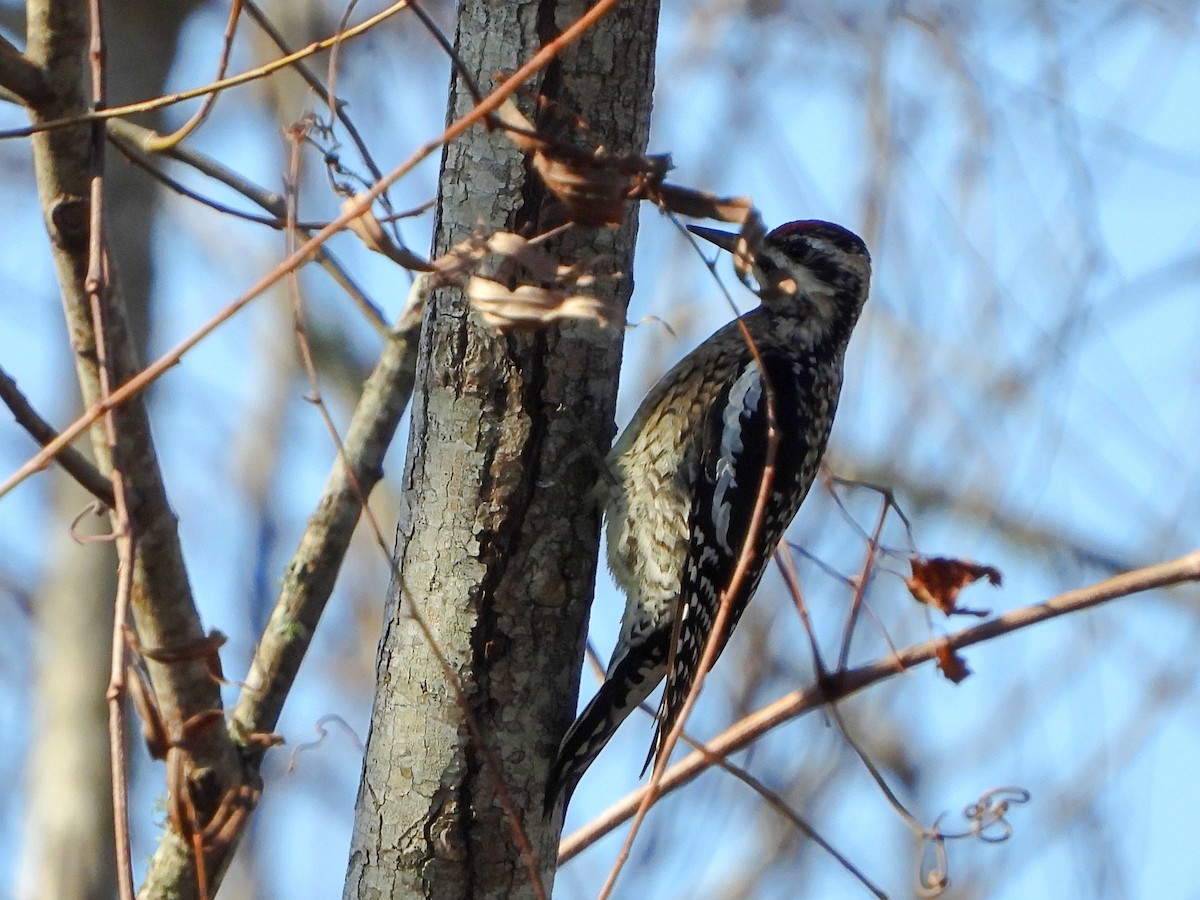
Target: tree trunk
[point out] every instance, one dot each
(497, 538)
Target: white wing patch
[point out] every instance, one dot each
(744, 399)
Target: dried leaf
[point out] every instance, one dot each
(593, 195)
(591, 182)
(744, 245)
(453, 266)
(594, 184)
(370, 232)
(154, 732)
(536, 261)
(503, 298)
(953, 666)
(698, 204)
(527, 306)
(520, 130)
(749, 239)
(937, 580)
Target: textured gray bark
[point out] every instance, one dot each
(497, 540)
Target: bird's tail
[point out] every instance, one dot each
(630, 681)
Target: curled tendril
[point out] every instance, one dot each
(97, 509)
(987, 814)
(322, 733)
(933, 865)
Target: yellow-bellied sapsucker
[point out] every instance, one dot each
(684, 479)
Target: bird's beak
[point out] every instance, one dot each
(723, 239)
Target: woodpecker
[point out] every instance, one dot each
(682, 483)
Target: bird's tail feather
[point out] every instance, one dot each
(627, 685)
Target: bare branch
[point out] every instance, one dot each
(20, 76)
(75, 463)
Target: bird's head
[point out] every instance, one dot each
(809, 260)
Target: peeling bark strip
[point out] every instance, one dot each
(495, 549)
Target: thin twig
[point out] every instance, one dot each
(330, 95)
(781, 806)
(137, 158)
(96, 284)
(769, 796)
(162, 142)
(460, 68)
(254, 74)
(860, 584)
(269, 29)
(791, 579)
(873, 770)
(75, 463)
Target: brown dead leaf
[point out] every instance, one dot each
(698, 204)
(953, 666)
(522, 252)
(505, 298)
(527, 306)
(593, 192)
(749, 239)
(937, 580)
(370, 232)
(590, 181)
(154, 731)
(456, 264)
